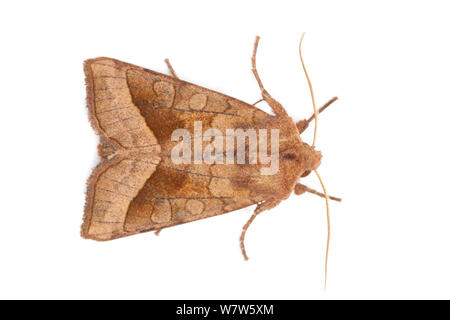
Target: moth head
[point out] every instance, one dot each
(311, 159)
(304, 156)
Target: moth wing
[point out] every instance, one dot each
(168, 104)
(181, 193)
(138, 109)
(117, 179)
(112, 112)
(173, 196)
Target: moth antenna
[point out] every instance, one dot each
(329, 228)
(316, 113)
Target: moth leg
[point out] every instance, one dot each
(277, 108)
(157, 232)
(172, 71)
(303, 124)
(260, 100)
(301, 188)
(269, 204)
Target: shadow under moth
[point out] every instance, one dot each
(139, 186)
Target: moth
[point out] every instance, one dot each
(137, 187)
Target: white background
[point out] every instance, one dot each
(385, 147)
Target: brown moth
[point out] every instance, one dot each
(137, 187)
